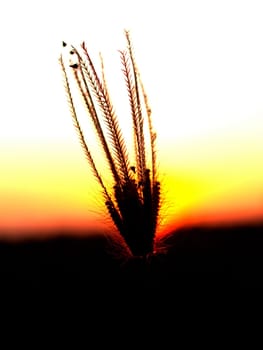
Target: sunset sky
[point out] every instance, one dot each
(202, 66)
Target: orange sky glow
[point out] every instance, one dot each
(202, 66)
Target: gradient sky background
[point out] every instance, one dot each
(202, 66)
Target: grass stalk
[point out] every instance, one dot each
(133, 201)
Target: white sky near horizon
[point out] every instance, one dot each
(201, 62)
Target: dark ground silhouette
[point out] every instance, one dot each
(196, 258)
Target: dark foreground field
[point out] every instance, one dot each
(183, 287)
(194, 258)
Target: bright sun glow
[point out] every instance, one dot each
(202, 66)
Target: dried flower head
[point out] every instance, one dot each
(133, 202)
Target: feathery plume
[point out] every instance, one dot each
(133, 201)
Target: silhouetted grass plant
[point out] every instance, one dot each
(133, 202)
